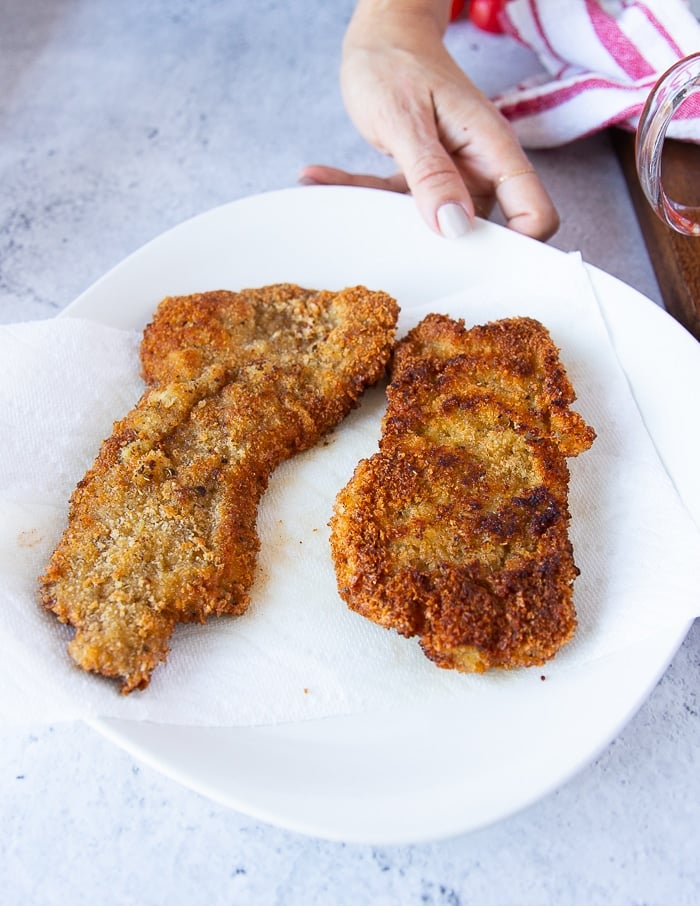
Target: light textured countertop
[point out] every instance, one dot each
(118, 121)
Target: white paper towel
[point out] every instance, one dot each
(298, 653)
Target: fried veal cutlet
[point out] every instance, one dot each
(456, 530)
(162, 528)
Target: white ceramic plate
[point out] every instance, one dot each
(423, 774)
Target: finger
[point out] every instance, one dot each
(317, 174)
(433, 179)
(526, 205)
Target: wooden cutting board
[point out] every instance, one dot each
(674, 257)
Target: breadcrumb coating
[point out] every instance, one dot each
(162, 528)
(456, 530)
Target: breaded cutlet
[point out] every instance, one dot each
(162, 528)
(456, 530)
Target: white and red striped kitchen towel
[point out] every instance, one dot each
(601, 57)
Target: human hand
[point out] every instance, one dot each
(455, 152)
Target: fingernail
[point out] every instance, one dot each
(307, 181)
(453, 221)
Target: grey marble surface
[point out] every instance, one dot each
(117, 121)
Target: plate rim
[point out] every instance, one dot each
(122, 732)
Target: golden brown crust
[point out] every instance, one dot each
(456, 530)
(162, 528)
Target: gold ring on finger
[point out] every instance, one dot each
(513, 174)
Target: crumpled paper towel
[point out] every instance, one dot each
(299, 653)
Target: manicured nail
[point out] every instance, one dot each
(453, 221)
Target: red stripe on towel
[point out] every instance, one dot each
(549, 99)
(617, 44)
(644, 9)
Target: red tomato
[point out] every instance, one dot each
(485, 14)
